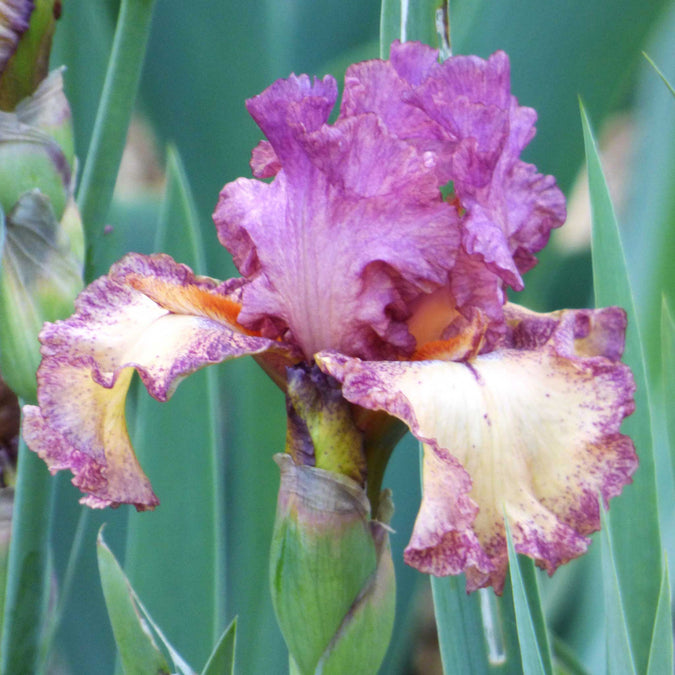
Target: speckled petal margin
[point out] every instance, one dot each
(530, 430)
(88, 361)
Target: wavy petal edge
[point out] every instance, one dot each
(148, 314)
(530, 429)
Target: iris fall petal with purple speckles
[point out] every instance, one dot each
(530, 429)
(150, 314)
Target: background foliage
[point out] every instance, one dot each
(201, 558)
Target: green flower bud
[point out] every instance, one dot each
(42, 251)
(26, 30)
(36, 147)
(40, 275)
(331, 572)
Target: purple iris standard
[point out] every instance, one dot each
(381, 251)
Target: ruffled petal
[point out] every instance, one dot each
(462, 110)
(150, 314)
(444, 540)
(288, 109)
(511, 218)
(350, 229)
(510, 208)
(475, 286)
(386, 88)
(368, 189)
(264, 161)
(534, 424)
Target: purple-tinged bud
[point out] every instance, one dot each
(41, 237)
(321, 428)
(26, 30)
(36, 147)
(14, 21)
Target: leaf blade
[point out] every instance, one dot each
(661, 649)
(530, 651)
(619, 653)
(668, 366)
(221, 661)
(27, 580)
(459, 625)
(635, 522)
(659, 73)
(137, 649)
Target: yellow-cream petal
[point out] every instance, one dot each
(149, 314)
(534, 424)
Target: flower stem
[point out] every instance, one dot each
(112, 118)
(27, 578)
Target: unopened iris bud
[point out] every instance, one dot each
(42, 242)
(40, 275)
(26, 30)
(331, 572)
(36, 147)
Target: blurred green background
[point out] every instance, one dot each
(204, 59)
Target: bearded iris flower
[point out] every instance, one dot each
(381, 251)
